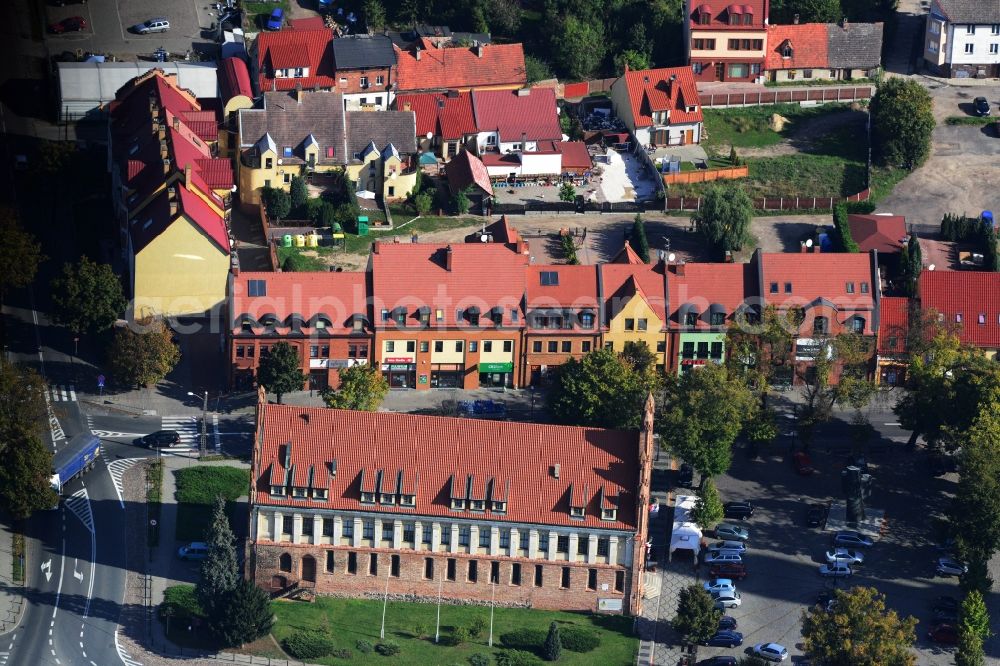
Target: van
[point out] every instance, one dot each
(196, 550)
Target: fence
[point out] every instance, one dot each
(705, 175)
(778, 96)
(272, 248)
(563, 207)
(773, 203)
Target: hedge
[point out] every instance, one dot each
(847, 243)
(307, 645)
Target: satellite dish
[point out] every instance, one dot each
(671, 256)
(931, 267)
(484, 238)
(279, 160)
(429, 135)
(809, 242)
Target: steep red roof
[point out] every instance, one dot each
(884, 233)
(448, 116)
(626, 255)
(702, 286)
(809, 45)
(465, 170)
(333, 297)
(234, 79)
(720, 12)
(970, 299)
(206, 219)
(433, 453)
(218, 173)
(575, 289)
(414, 275)
(622, 281)
(284, 49)
(815, 277)
(893, 325)
(460, 67)
(530, 112)
(652, 90)
(574, 155)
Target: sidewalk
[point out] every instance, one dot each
(11, 593)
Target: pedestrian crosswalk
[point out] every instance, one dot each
(189, 428)
(79, 504)
(62, 393)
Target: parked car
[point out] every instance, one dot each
(946, 546)
(816, 515)
(276, 19)
(196, 550)
(735, 546)
(731, 571)
(835, 570)
(723, 557)
(151, 26)
(851, 539)
(726, 638)
(770, 651)
(827, 601)
(71, 24)
(727, 622)
(949, 566)
(803, 463)
(727, 600)
(740, 510)
(719, 585)
(731, 532)
(63, 3)
(943, 632)
(685, 476)
(946, 615)
(161, 439)
(722, 660)
(946, 603)
(981, 106)
(844, 556)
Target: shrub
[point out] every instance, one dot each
(523, 639)
(423, 203)
(479, 659)
(458, 636)
(419, 629)
(553, 646)
(295, 263)
(579, 639)
(517, 658)
(387, 648)
(477, 626)
(364, 647)
(342, 653)
(180, 601)
(307, 645)
(847, 243)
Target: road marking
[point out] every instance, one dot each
(117, 469)
(79, 504)
(124, 656)
(77, 574)
(62, 567)
(111, 434)
(47, 569)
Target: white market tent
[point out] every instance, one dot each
(684, 534)
(85, 86)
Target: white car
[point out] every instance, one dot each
(732, 546)
(723, 557)
(727, 600)
(770, 651)
(835, 570)
(844, 556)
(720, 585)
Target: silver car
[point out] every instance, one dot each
(844, 556)
(949, 566)
(727, 600)
(835, 570)
(151, 26)
(730, 546)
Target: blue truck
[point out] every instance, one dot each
(79, 455)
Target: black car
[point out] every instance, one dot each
(943, 463)
(722, 660)
(981, 106)
(949, 615)
(685, 476)
(728, 623)
(728, 639)
(740, 510)
(161, 439)
(945, 603)
(816, 515)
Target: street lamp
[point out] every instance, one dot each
(204, 423)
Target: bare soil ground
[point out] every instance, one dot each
(805, 136)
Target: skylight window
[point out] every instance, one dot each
(548, 278)
(257, 287)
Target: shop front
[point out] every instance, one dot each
(447, 375)
(698, 349)
(496, 375)
(400, 373)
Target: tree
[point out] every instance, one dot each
(637, 238)
(20, 253)
(567, 192)
(362, 387)
(220, 573)
(460, 201)
(760, 347)
(25, 474)
(858, 631)
(734, 159)
(552, 649)
(708, 510)
(910, 265)
(537, 70)
(696, 619)
(246, 615)
(725, 217)
(143, 353)
(279, 371)
(88, 297)
(977, 500)
(973, 630)
(639, 356)
(901, 123)
(298, 194)
(811, 11)
(422, 203)
(702, 414)
(634, 60)
(600, 390)
(970, 648)
(374, 16)
(276, 202)
(327, 215)
(579, 47)
(22, 401)
(502, 16)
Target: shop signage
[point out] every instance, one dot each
(693, 361)
(496, 367)
(397, 359)
(609, 605)
(808, 349)
(395, 366)
(423, 379)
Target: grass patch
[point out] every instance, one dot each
(17, 557)
(411, 625)
(750, 127)
(360, 244)
(154, 500)
(884, 180)
(197, 488)
(806, 83)
(257, 13)
(792, 175)
(295, 259)
(969, 120)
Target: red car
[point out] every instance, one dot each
(803, 464)
(943, 633)
(71, 24)
(733, 571)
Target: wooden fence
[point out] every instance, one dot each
(773, 203)
(705, 175)
(779, 96)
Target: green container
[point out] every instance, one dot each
(337, 229)
(362, 228)
(286, 240)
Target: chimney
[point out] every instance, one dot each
(843, 23)
(556, 470)
(479, 51)
(795, 20)
(298, 93)
(523, 92)
(177, 123)
(173, 208)
(416, 53)
(187, 176)
(376, 246)
(166, 165)
(679, 269)
(406, 106)
(163, 148)
(803, 248)
(817, 248)
(447, 258)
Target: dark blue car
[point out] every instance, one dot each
(276, 19)
(727, 638)
(727, 622)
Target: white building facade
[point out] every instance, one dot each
(962, 38)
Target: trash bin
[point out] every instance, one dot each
(363, 226)
(312, 240)
(286, 240)
(300, 240)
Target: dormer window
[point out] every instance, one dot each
(320, 493)
(747, 19)
(407, 500)
(691, 319)
(457, 504)
(576, 512)
(277, 490)
(609, 514)
(386, 498)
(424, 316)
(299, 493)
(399, 315)
(498, 507)
(786, 50)
(246, 326)
(477, 505)
(367, 498)
(385, 315)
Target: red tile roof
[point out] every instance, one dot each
(413, 275)
(465, 170)
(461, 67)
(335, 297)
(574, 155)
(884, 233)
(234, 79)
(894, 324)
(809, 42)
(433, 453)
(626, 255)
(622, 281)
(721, 11)
(206, 219)
(815, 277)
(218, 173)
(705, 285)
(285, 49)
(972, 296)
(652, 90)
(531, 112)
(576, 289)
(310, 23)
(447, 116)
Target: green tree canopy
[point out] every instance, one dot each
(460, 201)
(579, 47)
(910, 264)
(362, 387)
(708, 510)
(639, 355)
(976, 505)
(902, 121)
(859, 631)
(696, 619)
(567, 192)
(536, 69)
(552, 648)
(423, 202)
(88, 297)
(25, 474)
(22, 401)
(276, 202)
(702, 414)
(374, 14)
(298, 193)
(279, 371)
(600, 390)
(220, 571)
(20, 253)
(807, 11)
(143, 353)
(725, 217)
(633, 59)
(246, 615)
(637, 238)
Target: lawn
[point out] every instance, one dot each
(301, 262)
(360, 244)
(154, 484)
(197, 488)
(348, 621)
(749, 127)
(257, 13)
